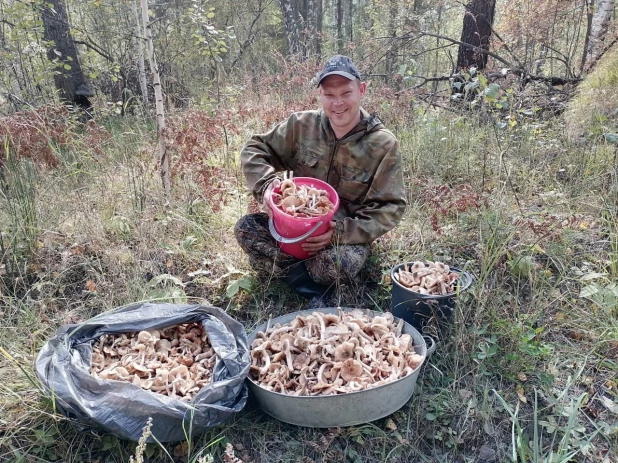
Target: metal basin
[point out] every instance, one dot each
(342, 409)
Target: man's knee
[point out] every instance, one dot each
(341, 263)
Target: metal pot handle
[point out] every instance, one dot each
(431, 345)
(281, 239)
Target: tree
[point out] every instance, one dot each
(292, 27)
(476, 33)
(69, 78)
(598, 29)
(339, 21)
(164, 163)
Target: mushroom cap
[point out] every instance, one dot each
(301, 360)
(344, 351)
(350, 369)
(145, 337)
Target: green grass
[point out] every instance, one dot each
(527, 368)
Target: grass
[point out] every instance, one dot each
(527, 370)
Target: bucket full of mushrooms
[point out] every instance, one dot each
(335, 367)
(426, 292)
(183, 366)
(301, 207)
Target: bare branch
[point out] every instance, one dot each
(95, 48)
(468, 45)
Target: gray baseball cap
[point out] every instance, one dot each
(338, 65)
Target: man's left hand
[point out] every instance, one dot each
(313, 244)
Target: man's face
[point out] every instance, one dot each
(341, 99)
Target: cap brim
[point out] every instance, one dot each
(347, 75)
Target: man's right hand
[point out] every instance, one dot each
(267, 195)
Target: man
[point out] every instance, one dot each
(344, 146)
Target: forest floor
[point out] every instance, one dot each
(526, 372)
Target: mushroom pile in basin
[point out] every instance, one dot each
(324, 354)
(176, 361)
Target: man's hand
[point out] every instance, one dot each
(267, 194)
(313, 244)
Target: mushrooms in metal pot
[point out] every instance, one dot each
(322, 354)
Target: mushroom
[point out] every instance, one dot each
(431, 278)
(332, 354)
(302, 200)
(351, 369)
(344, 351)
(158, 360)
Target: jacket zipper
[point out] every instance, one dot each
(332, 158)
(337, 141)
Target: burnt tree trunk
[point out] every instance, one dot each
(69, 78)
(476, 31)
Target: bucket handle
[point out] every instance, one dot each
(281, 239)
(431, 343)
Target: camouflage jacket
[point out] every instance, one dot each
(364, 167)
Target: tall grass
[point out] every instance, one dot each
(18, 198)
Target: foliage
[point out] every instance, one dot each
(39, 133)
(445, 201)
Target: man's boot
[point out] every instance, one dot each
(301, 282)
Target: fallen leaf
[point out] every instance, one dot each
(521, 394)
(181, 450)
(522, 376)
(610, 405)
(390, 424)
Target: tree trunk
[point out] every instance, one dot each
(292, 30)
(319, 28)
(598, 28)
(391, 56)
(339, 25)
(476, 31)
(69, 78)
(141, 65)
(164, 165)
(589, 15)
(349, 21)
(311, 20)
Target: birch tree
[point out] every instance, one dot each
(598, 29)
(164, 167)
(292, 27)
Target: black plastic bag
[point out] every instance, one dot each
(121, 408)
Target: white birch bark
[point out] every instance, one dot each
(600, 23)
(141, 66)
(164, 167)
(292, 30)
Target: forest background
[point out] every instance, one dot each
(120, 128)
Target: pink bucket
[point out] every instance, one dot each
(290, 232)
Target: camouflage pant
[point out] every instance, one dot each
(334, 263)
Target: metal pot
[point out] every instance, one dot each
(418, 309)
(342, 409)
